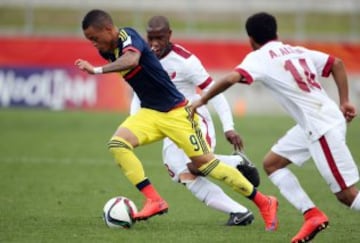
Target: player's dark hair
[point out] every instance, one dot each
(158, 21)
(96, 18)
(261, 27)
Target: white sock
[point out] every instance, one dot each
(356, 203)
(232, 160)
(291, 189)
(213, 196)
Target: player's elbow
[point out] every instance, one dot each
(134, 62)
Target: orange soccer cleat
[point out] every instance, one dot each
(269, 213)
(151, 208)
(315, 221)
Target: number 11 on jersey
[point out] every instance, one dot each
(302, 74)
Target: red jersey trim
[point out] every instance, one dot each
(181, 51)
(246, 77)
(181, 104)
(133, 72)
(207, 135)
(327, 69)
(130, 48)
(205, 83)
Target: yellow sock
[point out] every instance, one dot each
(127, 160)
(231, 176)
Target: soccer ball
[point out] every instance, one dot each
(118, 211)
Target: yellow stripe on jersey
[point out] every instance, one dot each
(123, 35)
(198, 132)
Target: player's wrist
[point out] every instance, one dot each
(204, 100)
(98, 70)
(227, 128)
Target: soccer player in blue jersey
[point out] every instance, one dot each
(164, 113)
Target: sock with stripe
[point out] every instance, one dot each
(127, 160)
(228, 174)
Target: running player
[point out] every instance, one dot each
(164, 113)
(292, 75)
(189, 75)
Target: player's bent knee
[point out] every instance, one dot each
(118, 143)
(194, 170)
(198, 161)
(273, 162)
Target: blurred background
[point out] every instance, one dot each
(40, 40)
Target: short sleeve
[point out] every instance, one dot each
(197, 74)
(323, 62)
(131, 40)
(250, 69)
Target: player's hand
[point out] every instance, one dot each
(194, 105)
(234, 138)
(349, 111)
(84, 66)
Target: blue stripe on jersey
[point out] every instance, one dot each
(151, 82)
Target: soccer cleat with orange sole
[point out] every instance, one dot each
(152, 208)
(315, 221)
(269, 214)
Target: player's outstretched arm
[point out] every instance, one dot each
(223, 110)
(128, 60)
(339, 74)
(85, 66)
(220, 86)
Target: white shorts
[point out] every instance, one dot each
(330, 154)
(175, 159)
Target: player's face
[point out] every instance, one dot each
(101, 38)
(158, 40)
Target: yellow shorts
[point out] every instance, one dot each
(150, 125)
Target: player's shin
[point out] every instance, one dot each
(127, 160)
(229, 175)
(132, 167)
(212, 195)
(267, 204)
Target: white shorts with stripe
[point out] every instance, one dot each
(330, 154)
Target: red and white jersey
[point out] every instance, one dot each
(186, 71)
(292, 74)
(189, 75)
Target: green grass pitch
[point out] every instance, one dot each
(56, 174)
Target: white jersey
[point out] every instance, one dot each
(189, 76)
(292, 75)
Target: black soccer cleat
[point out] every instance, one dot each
(248, 169)
(240, 219)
